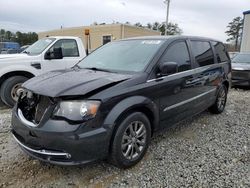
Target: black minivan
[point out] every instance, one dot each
(109, 105)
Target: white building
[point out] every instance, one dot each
(245, 44)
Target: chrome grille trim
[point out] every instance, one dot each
(43, 152)
(24, 120)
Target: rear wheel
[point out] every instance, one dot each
(9, 89)
(220, 103)
(131, 140)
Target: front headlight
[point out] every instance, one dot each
(77, 110)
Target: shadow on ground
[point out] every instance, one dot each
(242, 87)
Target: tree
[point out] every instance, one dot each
(8, 35)
(235, 30)
(149, 26)
(172, 29)
(21, 38)
(138, 24)
(155, 26)
(2, 34)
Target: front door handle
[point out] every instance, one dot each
(36, 65)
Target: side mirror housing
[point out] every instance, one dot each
(56, 53)
(167, 68)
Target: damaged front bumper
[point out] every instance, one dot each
(58, 142)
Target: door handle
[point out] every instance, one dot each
(36, 65)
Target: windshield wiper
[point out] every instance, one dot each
(97, 69)
(75, 67)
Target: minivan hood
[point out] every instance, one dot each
(241, 66)
(72, 82)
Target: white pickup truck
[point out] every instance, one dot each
(47, 54)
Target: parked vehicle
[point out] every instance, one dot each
(9, 47)
(10, 51)
(45, 55)
(14, 51)
(24, 48)
(241, 69)
(109, 105)
(232, 54)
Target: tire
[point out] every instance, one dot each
(12, 83)
(221, 99)
(138, 143)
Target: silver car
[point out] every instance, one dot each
(241, 69)
(232, 54)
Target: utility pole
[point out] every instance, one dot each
(167, 2)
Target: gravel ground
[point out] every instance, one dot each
(205, 151)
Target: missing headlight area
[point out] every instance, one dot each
(33, 106)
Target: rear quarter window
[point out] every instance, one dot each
(220, 52)
(203, 53)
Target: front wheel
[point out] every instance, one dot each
(9, 89)
(131, 140)
(220, 103)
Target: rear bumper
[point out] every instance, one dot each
(241, 82)
(73, 147)
(240, 78)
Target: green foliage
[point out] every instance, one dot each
(138, 24)
(235, 31)
(172, 29)
(21, 38)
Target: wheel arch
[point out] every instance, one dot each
(128, 106)
(15, 73)
(226, 83)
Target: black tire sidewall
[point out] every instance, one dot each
(7, 87)
(223, 87)
(116, 153)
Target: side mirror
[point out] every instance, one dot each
(167, 68)
(56, 53)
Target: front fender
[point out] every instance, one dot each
(17, 68)
(129, 104)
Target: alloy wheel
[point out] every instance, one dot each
(221, 100)
(134, 140)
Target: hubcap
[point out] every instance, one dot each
(134, 140)
(15, 90)
(221, 101)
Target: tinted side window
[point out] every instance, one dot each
(178, 53)
(69, 47)
(221, 53)
(203, 53)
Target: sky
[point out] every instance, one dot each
(195, 17)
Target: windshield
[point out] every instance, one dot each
(39, 46)
(241, 58)
(127, 56)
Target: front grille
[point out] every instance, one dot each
(34, 106)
